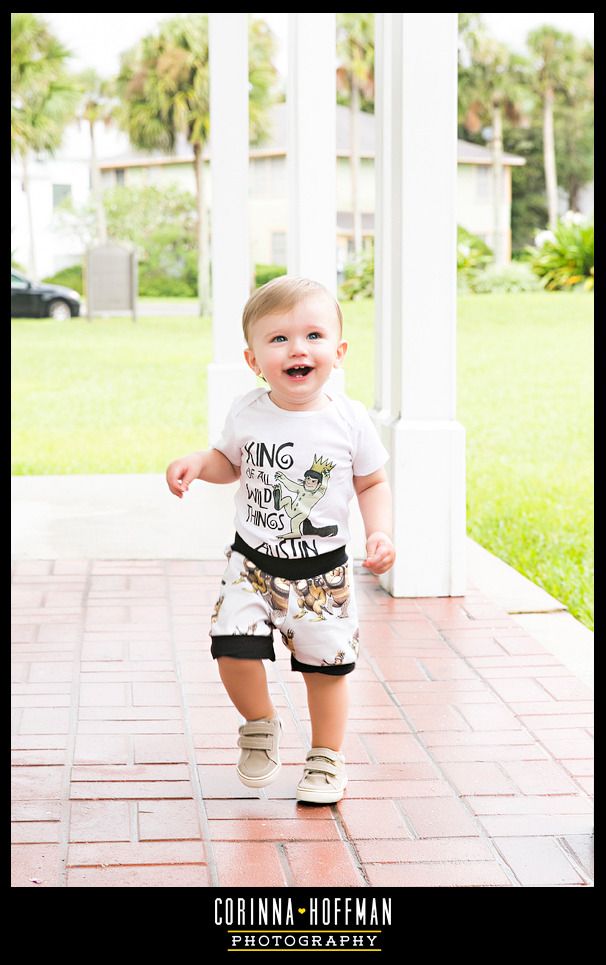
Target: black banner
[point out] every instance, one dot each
(250, 921)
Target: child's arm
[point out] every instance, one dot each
(210, 466)
(374, 498)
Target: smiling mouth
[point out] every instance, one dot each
(299, 371)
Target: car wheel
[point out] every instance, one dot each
(59, 310)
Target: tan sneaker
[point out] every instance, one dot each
(259, 762)
(324, 779)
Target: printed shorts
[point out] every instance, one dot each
(316, 617)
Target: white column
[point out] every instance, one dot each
(312, 151)
(381, 413)
(427, 444)
(228, 374)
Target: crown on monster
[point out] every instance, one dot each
(322, 465)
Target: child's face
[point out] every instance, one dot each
(307, 335)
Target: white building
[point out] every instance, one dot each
(68, 175)
(52, 180)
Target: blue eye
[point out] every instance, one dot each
(317, 334)
(278, 336)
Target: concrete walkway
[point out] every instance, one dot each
(469, 746)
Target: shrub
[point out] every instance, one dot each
(169, 266)
(563, 259)
(516, 277)
(265, 273)
(359, 277)
(473, 255)
(69, 277)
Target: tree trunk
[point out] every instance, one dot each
(354, 162)
(30, 221)
(204, 303)
(574, 188)
(95, 183)
(498, 227)
(549, 160)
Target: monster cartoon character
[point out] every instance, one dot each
(307, 492)
(336, 583)
(311, 597)
(277, 596)
(254, 576)
(287, 639)
(215, 614)
(339, 658)
(273, 589)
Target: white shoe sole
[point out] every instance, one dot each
(318, 796)
(259, 781)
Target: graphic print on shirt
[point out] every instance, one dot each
(309, 491)
(285, 504)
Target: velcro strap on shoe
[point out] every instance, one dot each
(321, 766)
(257, 742)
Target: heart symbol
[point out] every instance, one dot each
(301, 910)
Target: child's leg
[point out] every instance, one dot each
(328, 702)
(246, 684)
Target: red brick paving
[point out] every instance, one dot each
(469, 749)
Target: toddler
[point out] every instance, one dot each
(300, 450)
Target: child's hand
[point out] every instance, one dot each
(182, 471)
(380, 553)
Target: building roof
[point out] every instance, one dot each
(467, 152)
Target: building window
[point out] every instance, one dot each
(119, 175)
(278, 247)
(60, 193)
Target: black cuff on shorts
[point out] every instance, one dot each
(243, 646)
(333, 669)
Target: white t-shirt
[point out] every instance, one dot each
(296, 471)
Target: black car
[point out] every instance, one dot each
(31, 299)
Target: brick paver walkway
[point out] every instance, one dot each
(469, 746)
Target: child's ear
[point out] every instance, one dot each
(340, 355)
(251, 361)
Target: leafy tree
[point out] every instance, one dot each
(528, 200)
(355, 84)
(97, 105)
(553, 59)
(492, 89)
(164, 88)
(160, 221)
(43, 99)
(574, 126)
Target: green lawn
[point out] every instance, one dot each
(121, 397)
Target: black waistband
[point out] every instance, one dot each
(299, 569)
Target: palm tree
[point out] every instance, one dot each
(163, 85)
(43, 98)
(574, 127)
(96, 106)
(490, 86)
(553, 53)
(355, 78)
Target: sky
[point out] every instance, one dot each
(98, 39)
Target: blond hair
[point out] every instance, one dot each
(282, 294)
